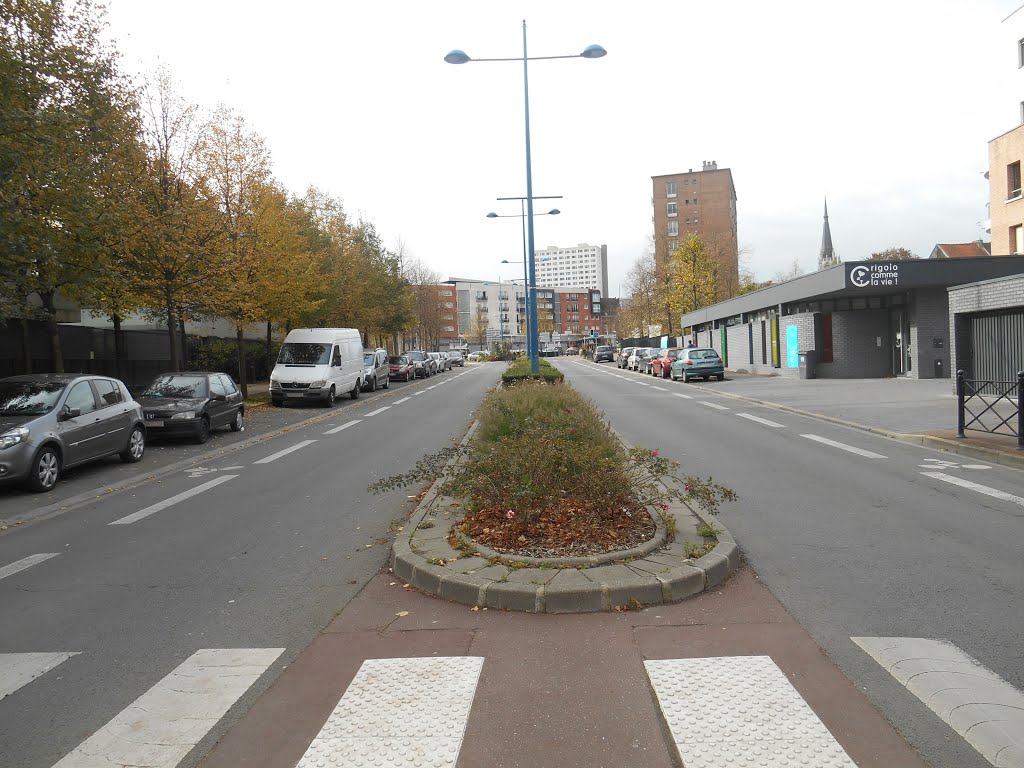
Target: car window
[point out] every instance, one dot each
(81, 397)
(177, 385)
(369, 358)
(217, 386)
(398, 360)
(228, 383)
(110, 393)
(25, 398)
(336, 360)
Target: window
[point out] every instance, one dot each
(1013, 180)
(673, 209)
(228, 383)
(110, 393)
(217, 386)
(672, 245)
(81, 397)
(670, 187)
(1017, 239)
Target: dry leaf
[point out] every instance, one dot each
(475, 608)
(402, 613)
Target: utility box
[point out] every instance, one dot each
(939, 372)
(807, 361)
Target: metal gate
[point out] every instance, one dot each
(997, 346)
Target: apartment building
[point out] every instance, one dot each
(703, 202)
(1006, 151)
(581, 265)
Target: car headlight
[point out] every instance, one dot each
(184, 415)
(275, 384)
(317, 384)
(13, 437)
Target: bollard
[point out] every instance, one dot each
(960, 403)
(1020, 410)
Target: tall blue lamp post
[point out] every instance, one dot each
(460, 57)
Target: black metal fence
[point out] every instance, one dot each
(985, 405)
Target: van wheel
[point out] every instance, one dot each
(387, 382)
(45, 470)
(373, 383)
(332, 398)
(354, 394)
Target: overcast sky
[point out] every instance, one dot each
(885, 106)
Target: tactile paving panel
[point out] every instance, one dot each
(399, 712)
(740, 712)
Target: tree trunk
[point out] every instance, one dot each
(184, 344)
(53, 331)
(118, 345)
(26, 346)
(242, 377)
(172, 327)
(270, 363)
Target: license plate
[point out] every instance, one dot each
(154, 423)
(294, 394)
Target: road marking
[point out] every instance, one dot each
(135, 516)
(976, 702)
(379, 410)
(975, 487)
(399, 402)
(743, 710)
(758, 419)
(346, 425)
(25, 562)
(417, 393)
(432, 387)
(716, 406)
(18, 669)
(285, 452)
(680, 394)
(162, 726)
(660, 389)
(844, 447)
(404, 711)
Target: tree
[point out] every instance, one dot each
(478, 326)
(639, 309)
(792, 273)
(893, 254)
(694, 273)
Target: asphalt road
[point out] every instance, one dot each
(853, 545)
(282, 537)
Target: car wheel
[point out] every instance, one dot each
(237, 424)
(664, 373)
(354, 394)
(387, 383)
(45, 470)
(136, 446)
(673, 376)
(277, 403)
(686, 379)
(721, 377)
(204, 430)
(408, 377)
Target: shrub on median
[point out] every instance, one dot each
(521, 370)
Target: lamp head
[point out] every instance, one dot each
(460, 57)
(505, 261)
(590, 52)
(492, 215)
(554, 212)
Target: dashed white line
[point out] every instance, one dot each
(285, 452)
(417, 393)
(25, 562)
(716, 406)
(759, 420)
(680, 394)
(975, 487)
(18, 669)
(660, 389)
(844, 447)
(135, 516)
(404, 399)
(346, 425)
(379, 410)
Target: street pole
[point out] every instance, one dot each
(531, 291)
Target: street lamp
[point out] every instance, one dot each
(461, 57)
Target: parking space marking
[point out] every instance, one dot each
(1003, 495)
(18, 669)
(135, 516)
(25, 562)
(379, 410)
(716, 406)
(285, 452)
(346, 425)
(405, 399)
(759, 420)
(680, 394)
(844, 447)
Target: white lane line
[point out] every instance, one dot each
(25, 562)
(758, 419)
(432, 387)
(346, 425)
(160, 727)
(660, 389)
(680, 394)
(17, 669)
(976, 702)
(417, 393)
(740, 709)
(716, 406)
(975, 487)
(135, 516)
(404, 399)
(403, 711)
(844, 447)
(379, 410)
(285, 452)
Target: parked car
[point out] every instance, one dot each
(695, 363)
(456, 358)
(376, 369)
(661, 365)
(50, 422)
(191, 404)
(425, 366)
(638, 360)
(446, 361)
(624, 356)
(474, 356)
(438, 362)
(400, 367)
(603, 354)
(318, 364)
(571, 351)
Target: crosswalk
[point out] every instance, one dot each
(727, 710)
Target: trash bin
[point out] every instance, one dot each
(807, 360)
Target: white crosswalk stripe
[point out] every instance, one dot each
(402, 711)
(163, 725)
(976, 702)
(18, 669)
(740, 710)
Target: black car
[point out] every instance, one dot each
(604, 354)
(191, 403)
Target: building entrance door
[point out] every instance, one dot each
(899, 332)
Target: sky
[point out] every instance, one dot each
(885, 107)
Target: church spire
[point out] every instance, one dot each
(827, 256)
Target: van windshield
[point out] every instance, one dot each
(296, 353)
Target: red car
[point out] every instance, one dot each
(662, 364)
(401, 368)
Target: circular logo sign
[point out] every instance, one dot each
(860, 276)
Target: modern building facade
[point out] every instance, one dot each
(1006, 151)
(703, 202)
(582, 265)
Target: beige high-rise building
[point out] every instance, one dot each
(703, 202)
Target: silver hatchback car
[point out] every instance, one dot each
(50, 422)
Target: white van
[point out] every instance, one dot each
(318, 364)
